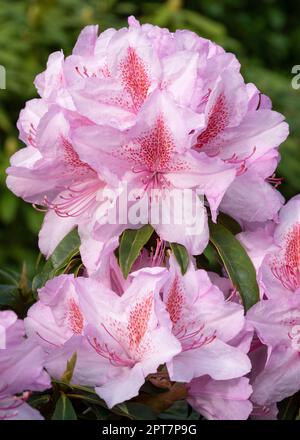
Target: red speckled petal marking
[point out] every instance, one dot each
(72, 160)
(75, 317)
(154, 150)
(175, 300)
(135, 78)
(189, 332)
(139, 321)
(286, 267)
(156, 146)
(217, 121)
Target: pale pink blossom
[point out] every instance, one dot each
(48, 172)
(11, 329)
(117, 339)
(156, 155)
(22, 370)
(276, 369)
(150, 109)
(204, 323)
(275, 251)
(280, 270)
(221, 399)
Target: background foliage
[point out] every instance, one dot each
(264, 34)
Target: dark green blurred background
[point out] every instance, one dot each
(264, 34)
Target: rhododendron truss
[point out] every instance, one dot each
(171, 276)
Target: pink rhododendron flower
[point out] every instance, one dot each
(145, 126)
(204, 323)
(280, 271)
(243, 130)
(164, 106)
(275, 251)
(121, 337)
(21, 366)
(109, 273)
(11, 329)
(221, 399)
(49, 172)
(56, 317)
(276, 373)
(263, 201)
(156, 155)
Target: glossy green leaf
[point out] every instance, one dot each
(229, 223)
(99, 412)
(9, 296)
(237, 263)
(131, 243)
(64, 409)
(181, 255)
(178, 411)
(41, 278)
(59, 260)
(140, 412)
(66, 249)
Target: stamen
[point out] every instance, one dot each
(276, 181)
(85, 73)
(205, 97)
(157, 257)
(110, 355)
(75, 201)
(234, 159)
(194, 339)
(78, 71)
(287, 275)
(232, 294)
(39, 209)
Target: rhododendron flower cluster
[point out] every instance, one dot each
(134, 122)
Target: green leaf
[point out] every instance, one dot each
(178, 411)
(140, 411)
(131, 243)
(9, 275)
(64, 409)
(59, 260)
(12, 298)
(99, 412)
(66, 250)
(9, 296)
(68, 374)
(229, 223)
(89, 398)
(41, 278)
(181, 255)
(210, 260)
(38, 400)
(237, 263)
